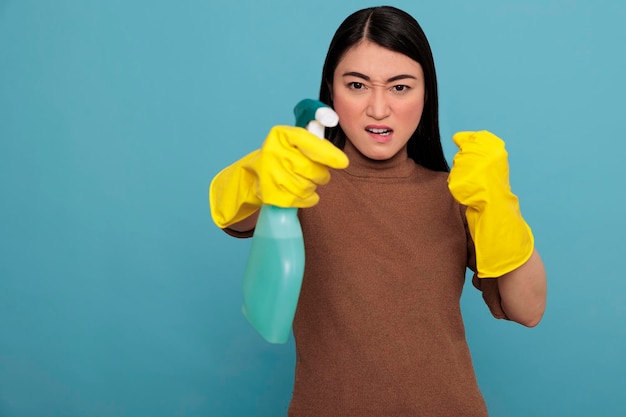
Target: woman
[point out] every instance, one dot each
(389, 234)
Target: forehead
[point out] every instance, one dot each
(376, 61)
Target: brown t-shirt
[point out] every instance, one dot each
(378, 327)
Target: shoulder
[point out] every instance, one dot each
(435, 180)
(440, 176)
(438, 183)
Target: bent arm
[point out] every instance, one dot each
(523, 292)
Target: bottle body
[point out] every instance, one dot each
(273, 274)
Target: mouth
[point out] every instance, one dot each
(381, 134)
(380, 131)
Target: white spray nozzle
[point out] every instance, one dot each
(315, 116)
(324, 117)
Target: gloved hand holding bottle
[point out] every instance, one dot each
(285, 172)
(479, 179)
(278, 179)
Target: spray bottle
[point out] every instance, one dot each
(273, 274)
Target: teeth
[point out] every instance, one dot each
(380, 131)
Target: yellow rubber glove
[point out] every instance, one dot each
(479, 179)
(285, 172)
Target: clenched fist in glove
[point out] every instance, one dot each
(479, 179)
(285, 172)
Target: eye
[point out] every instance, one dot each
(400, 89)
(355, 85)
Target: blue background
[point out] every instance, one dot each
(119, 297)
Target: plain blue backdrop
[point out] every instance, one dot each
(118, 295)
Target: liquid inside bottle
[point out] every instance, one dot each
(273, 274)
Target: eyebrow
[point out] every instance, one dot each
(367, 78)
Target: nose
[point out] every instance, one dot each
(378, 105)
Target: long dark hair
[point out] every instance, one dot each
(398, 31)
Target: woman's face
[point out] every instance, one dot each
(379, 97)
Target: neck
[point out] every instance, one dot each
(399, 165)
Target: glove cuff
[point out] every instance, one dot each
(502, 244)
(232, 193)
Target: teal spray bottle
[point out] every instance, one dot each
(273, 273)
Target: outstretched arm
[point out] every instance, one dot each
(285, 172)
